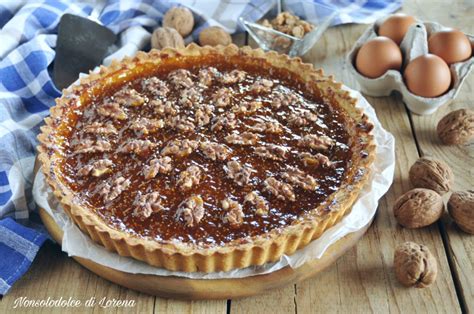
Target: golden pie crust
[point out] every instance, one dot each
(184, 256)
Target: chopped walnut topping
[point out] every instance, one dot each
(207, 75)
(189, 177)
(214, 151)
(91, 146)
(129, 97)
(137, 146)
(269, 127)
(233, 77)
(157, 165)
(302, 118)
(203, 114)
(299, 178)
(164, 108)
(100, 128)
(247, 107)
(246, 138)
(111, 192)
(180, 148)
(261, 205)
(224, 122)
(272, 151)
(146, 125)
(279, 189)
(98, 168)
(315, 141)
(113, 110)
(85, 170)
(261, 86)
(234, 215)
(190, 97)
(156, 86)
(284, 99)
(191, 210)
(222, 97)
(240, 174)
(181, 78)
(315, 160)
(181, 123)
(288, 23)
(146, 204)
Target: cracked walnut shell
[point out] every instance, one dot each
(433, 174)
(213, 36)
(415, 265)
(461, 209)
(418, 208)
(457, 127)
(181, 19)
(163, 37)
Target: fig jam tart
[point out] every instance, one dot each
(206, 159)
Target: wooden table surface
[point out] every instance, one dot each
(360, 281)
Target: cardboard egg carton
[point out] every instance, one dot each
(413, 45)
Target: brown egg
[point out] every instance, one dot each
(396, 26)
(451, 45)
(427, 76)
(377, 56)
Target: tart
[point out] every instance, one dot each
(206, 159)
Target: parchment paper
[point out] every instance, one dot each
(75, 243)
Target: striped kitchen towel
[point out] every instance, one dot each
(28, 38)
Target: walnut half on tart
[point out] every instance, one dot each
(206, 159)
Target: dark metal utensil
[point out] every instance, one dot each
(81, 46)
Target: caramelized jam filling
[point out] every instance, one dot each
(210, 153)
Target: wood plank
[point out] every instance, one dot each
(277, 301)
(460, 158)
(55, 275)
(195, 307)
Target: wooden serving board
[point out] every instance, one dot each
(195, 289)
(200, 289)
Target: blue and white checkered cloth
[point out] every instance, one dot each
(28, 38)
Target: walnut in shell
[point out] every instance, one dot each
(433, 174)
(179, 18)
(164, 37)
(418, 208)
(461, 209)
(457, 127)
(213, 36)
(415, 265)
